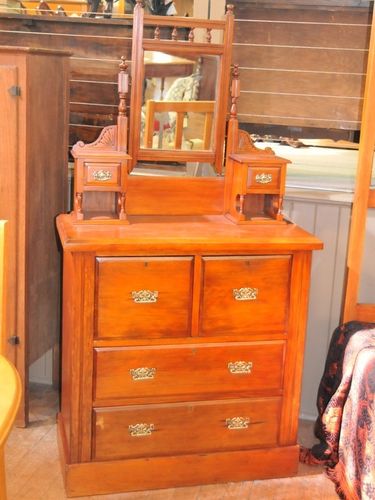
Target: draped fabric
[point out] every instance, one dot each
(346, 407)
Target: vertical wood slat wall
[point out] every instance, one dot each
(302, 63)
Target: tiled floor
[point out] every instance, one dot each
(33, 469)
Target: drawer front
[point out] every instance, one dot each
(157, 430)
(102, 174)
(263, 178)
(245, 294)
(186, 372)
(143, 297)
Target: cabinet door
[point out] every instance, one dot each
(143, 297)
(245, 294)
(8, 198)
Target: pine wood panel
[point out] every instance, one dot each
(181, 372)
(304, 58)
(34, 191)
(268, 309)
(351, 36)
(185, 428)
(324, 45)
(94, 92)
(9, 128)
(309, 51)
(308, 110)
(294, 81)
(120, 315)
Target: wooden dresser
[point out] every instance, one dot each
(183, 344)
(183, 331)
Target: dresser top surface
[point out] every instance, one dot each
(182, 234)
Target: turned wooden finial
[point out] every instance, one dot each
(123, 86)
(230, 9)
(235, 90)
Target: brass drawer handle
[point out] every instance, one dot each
(102, 175)
(263, 178)
(141, 430)
(145, 296)
(237, 423)
(245, 293)
(240, 367)
(142, 373)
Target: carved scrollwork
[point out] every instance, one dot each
(106, 140)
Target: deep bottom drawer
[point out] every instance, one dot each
(157, 430)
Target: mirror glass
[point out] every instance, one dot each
(179, 101)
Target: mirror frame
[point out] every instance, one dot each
(183, 48)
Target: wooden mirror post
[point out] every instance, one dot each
(101, 168)
(255, 178)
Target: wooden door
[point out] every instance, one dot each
(9, 172)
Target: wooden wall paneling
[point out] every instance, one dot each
(49, 186)
(307, 64)
(330, 222)
(96, 49)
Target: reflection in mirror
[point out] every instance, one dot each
(178, 104)
(174, 169)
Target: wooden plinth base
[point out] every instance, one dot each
(95, 478)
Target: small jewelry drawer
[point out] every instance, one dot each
(105, 175)
(265, 179)
(245, 294)
(143, 297)
(184, 428)
(182, 372)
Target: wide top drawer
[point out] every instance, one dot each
(145, 296)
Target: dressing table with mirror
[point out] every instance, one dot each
(184, 298)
